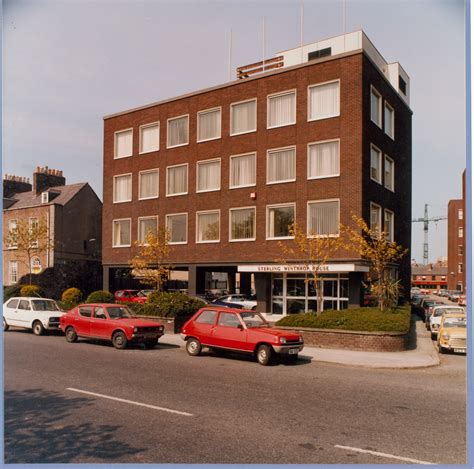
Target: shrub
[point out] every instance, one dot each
(166, 304)
(71, 297)
(357, 319)
(11, 291)
(100, 296)
(30, 290)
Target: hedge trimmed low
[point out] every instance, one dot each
(367, 319)
(100, 296)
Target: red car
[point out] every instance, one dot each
(109, 322)
(130, 296)
(239, 330)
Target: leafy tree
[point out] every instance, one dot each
(312, 251)
(374, 245)
(30, 240)
(151, 265)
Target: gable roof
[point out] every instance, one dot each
(31, 199)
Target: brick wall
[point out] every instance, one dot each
(454, 241)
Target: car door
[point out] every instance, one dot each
(99, 323)
(23, 317)
(203, 326)
(229, 331)
(82, 321)
(10, 311)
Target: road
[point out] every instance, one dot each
(180, 409)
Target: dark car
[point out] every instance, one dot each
(110, 322)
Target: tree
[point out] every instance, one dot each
(313, 251)
(151, 265)
(374, 245)
(30, 239)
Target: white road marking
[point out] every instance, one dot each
(384, 455)
(126, 401)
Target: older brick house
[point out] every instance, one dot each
(73, 214)
(323, 132)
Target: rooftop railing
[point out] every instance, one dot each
(259, 67)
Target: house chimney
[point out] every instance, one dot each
(44, 178)
(15, 184)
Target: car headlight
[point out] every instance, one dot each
(160, 328)
(445, 336)
(282, 340)
(135, 329)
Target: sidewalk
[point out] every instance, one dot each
(423, 354)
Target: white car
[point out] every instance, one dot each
(435, 318)
(246, 301)
(37, 314)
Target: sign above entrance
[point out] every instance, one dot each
(284, 268)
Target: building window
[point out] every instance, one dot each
(36, 265)
(402, 86)
(323, 218)
(178, 131)
(433, 278)
(242, 224)
(323, 159)
(177, 180)
(389, 169)
(460, 214)
(123, 188)
(414, 277)
(243, 170)
(146, 225)
(13, 272)
(323, 100)
(208, 175)
(123, 143)
(208, 227)
(460, 250)
(281, 165)
(33, 223)
(460, 232)
(280, 219)
(177, 225)
(375, 164)
(149, 137)
(122, 233)
(375, 106)
(243, 117)
(317, 54)
(12, 228)
(209, 124)
(388, 225)
(148, 184)
(375, 217)
(281, 109)
(460, 268)
(389, 120)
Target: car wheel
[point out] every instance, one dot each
(264, 355)
(440, 349)
(119, 340)
(5, 325)
(38, 328)
(254, 308)
(71, 335)
(193, 347)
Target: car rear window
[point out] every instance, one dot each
(45, 305)
(206, 317)
(12, 303)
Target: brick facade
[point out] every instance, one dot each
(456, 245)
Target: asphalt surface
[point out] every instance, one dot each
(226, 409)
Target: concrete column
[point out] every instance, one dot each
(192, 281)
(245, 283)
(264, 293)
(355, 289)
(105, 278)
(231, 281)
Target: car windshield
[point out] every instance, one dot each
(439, 312)
(119, 312)
(252, 319)
(45, 305)
(454, 322)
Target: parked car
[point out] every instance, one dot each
(241, 331)
(429, 309)
(110, 322)
(454, 296)
(130, 296)
(225, 304)
(37, 314)
(436, 315)
(462, 300)
(452, 333)
(425, 305)
(414, 292)
(246, 301)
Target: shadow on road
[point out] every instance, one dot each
(37, 430)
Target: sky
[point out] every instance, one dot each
(68, 63)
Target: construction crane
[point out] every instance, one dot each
(425, 220)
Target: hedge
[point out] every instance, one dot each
(168, 305)
(71, 297)
(357, 319)
(100, 296)
(30, 290)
